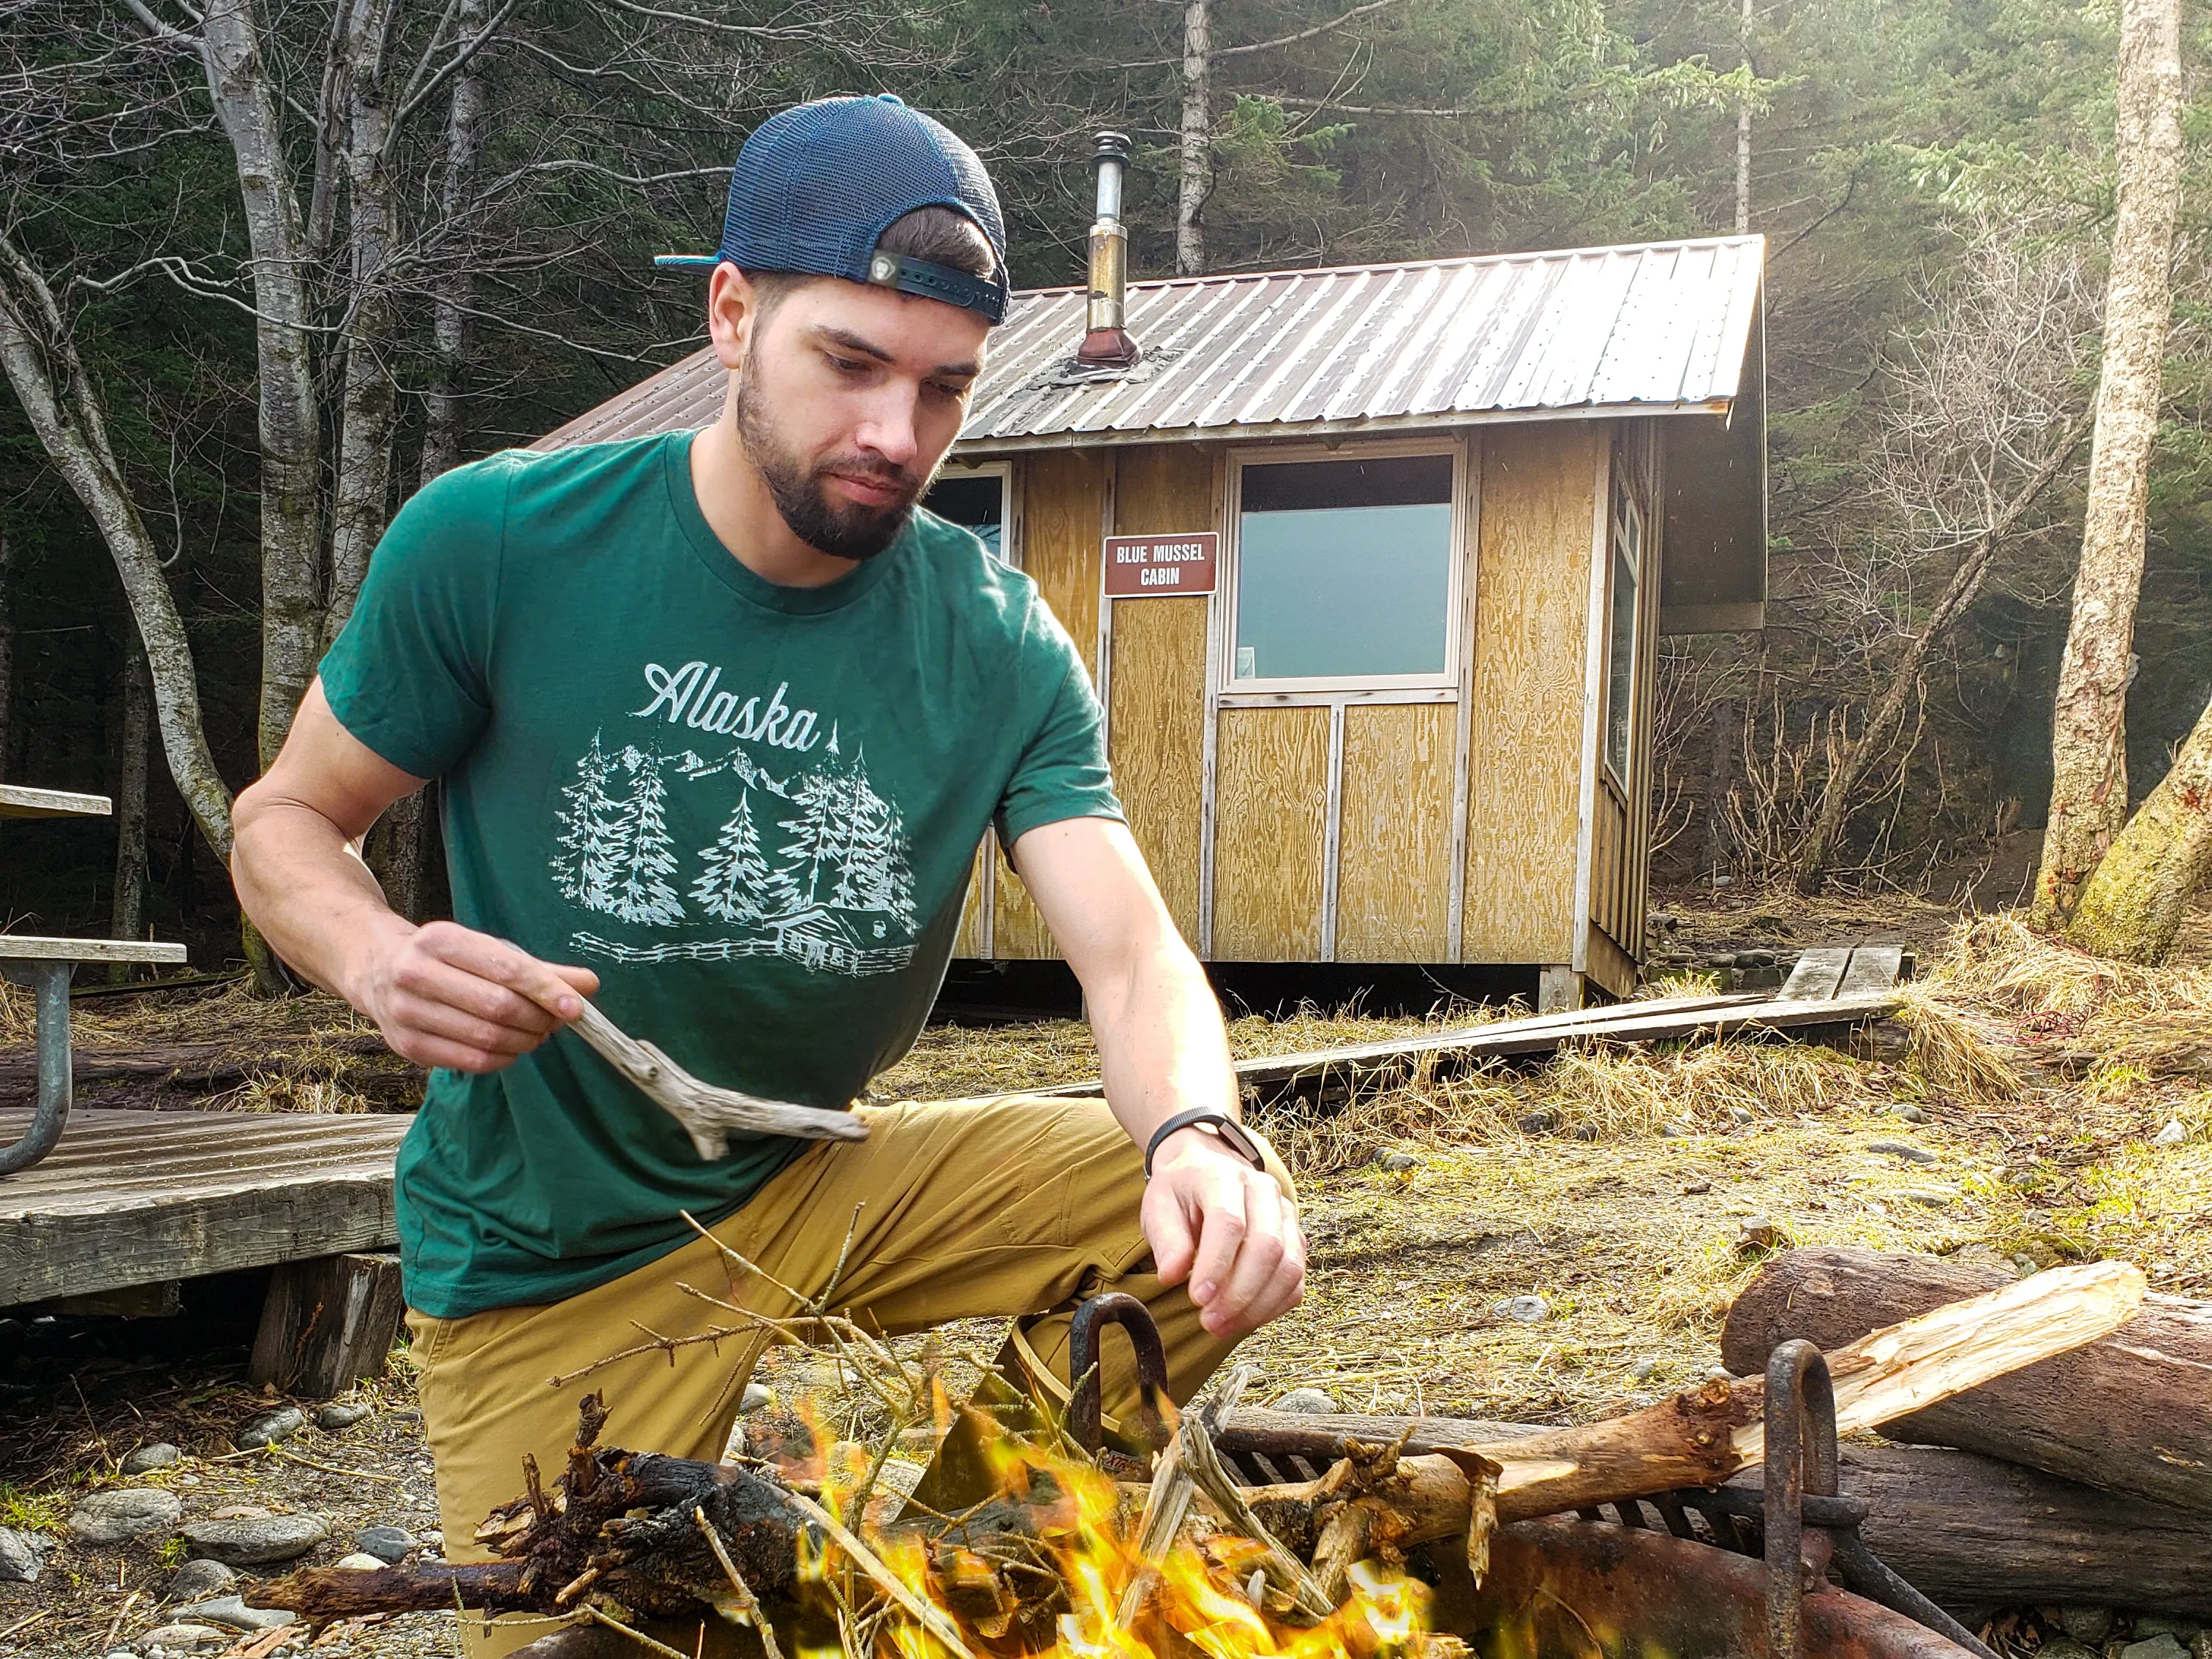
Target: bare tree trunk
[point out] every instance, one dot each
(7, 654)
(2132, 906)
(1837, 795)
(63, 407)
(290, 423)
(369, 412)
(451, 329)
(128, 914)
(1743, 141)
(1197, 180)
(1720, 776)
(2088, 751)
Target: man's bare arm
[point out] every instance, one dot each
(1210, 1216)
(442, 994)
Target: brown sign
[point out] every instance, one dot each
(1147, 567)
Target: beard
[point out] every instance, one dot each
(841, 530)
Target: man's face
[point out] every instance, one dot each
(847, 399)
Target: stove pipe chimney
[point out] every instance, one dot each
(1106, 343)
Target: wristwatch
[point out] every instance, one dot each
(1225, 1128)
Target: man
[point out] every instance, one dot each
(720, 719)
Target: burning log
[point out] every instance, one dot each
(654, 1533)
(2132, 1412)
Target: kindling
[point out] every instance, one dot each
(688, 693)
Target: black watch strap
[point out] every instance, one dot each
(1231, 1132)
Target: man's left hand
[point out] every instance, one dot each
(1225, 1227)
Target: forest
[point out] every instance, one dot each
(266, 268)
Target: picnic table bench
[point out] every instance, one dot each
(44, 966)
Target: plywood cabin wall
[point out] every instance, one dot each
(1271, 792)
(1063, 494)
(1155, 682)
(1394, 860)
(1531, 644)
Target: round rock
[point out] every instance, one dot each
(1306, 1399)
(255, 1540)
(360, 1561)
(757, 1397)
(2087, 1627)
(2162, 1646)
(159, 1456)
(122, 1513)
(334, 1417)
(267, 1428)
(389, 1545)
(22, 1555)
(201, 1578)
(1529, 1310)
(186, 1638)
(1395, 1161)
(232, 1610)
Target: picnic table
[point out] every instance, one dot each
(45, 967)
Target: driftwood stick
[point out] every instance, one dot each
(1168, 1504)
(708, 1114)
(1285, 1570)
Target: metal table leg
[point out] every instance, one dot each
(49, 982)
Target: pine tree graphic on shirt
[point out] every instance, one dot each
(834, 891)
(647, 856)
(735, 881)
(591, 843)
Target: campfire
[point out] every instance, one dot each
(1061, 1552)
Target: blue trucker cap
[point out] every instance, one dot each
(816, 186)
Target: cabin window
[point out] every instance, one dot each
(1343, 573)
(976, 501)
(1627, 558)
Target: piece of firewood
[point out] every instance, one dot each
(1703, 1436)
(2132, 1412)
(708, 1114)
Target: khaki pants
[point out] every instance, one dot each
(1010, 1206)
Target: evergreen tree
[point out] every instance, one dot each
(736, 877)
(595, 834)
(647, 856)
(874, 874)
(821, 833)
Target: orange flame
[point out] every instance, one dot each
(1210, 1596)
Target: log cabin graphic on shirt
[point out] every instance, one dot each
(806, 861)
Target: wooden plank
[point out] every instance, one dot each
(135, 1198)
(26, 947)
(1655, 1021)
(1063, 494)
(1271, 788)
(326, 1324)
(1158, 740)
(1017, 932)
(1157, 682)
(1531, 599)
(1874, 968)
(1394, 871)
(970, 940)
(1611, 967)
(17, 801)
(1818, 973)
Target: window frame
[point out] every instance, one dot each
(1010, 519)
(1621, 486)
(1442, 685)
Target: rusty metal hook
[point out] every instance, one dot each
(1085, 1423)
(1801, 1458)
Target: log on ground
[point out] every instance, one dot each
(2132, 1412)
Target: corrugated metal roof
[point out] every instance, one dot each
(1361, 348)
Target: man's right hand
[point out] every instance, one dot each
(444, 995)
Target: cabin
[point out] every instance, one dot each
(1369, 566)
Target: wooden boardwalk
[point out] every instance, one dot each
(139, 1198)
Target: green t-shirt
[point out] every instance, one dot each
(752, 810)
